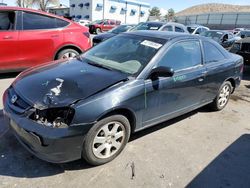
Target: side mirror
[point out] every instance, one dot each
(242, 36)
(161, 72)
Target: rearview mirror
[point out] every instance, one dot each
(161, 72)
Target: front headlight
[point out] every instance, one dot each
(54, 117)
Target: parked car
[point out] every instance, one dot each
(111, 33)
(242, 47)
(242, 34)
(99, 26)
(30, 37)
(83, 22)
(237, 30)
(175, 27)
(224, 38)
(89, 106)
(148, 26)
(196, 29)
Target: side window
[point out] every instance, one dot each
(168, 28)
(62, 23)
(105, 22)
(7, 20)
(112, 22)
(212, 53)
(182, 55)
(33, 21)
(178, 29)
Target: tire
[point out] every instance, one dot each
(222, 97)
(100, 145)
(67, 54)
(98, 31)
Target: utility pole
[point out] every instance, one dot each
(103, 13)
(126, 10)
(139, 14)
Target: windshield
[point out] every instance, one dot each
(125, 53)
(120, 29)
(147, 26)
(216, 35)
(97, 22)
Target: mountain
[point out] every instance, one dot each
(212, 8)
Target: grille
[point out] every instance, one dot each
(19, 102)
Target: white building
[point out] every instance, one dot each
(127, 11)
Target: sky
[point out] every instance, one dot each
(177, 5)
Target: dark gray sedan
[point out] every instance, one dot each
(89, 106)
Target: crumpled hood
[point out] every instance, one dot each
(61, 84)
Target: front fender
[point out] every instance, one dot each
(129, 96)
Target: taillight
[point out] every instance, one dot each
(86, 34)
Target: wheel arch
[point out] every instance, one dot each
(129, 114)
(68, 46)
(233, 83)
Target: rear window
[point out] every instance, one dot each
(32, 21)
(61, 23)
(212, 53)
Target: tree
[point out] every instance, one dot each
(24, 3)
(155, 11)
(170, 16)
(44, 4)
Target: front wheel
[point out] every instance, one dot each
(106, 139)
(222, 97)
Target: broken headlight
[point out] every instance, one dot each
(54, 117)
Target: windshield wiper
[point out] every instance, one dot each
(99, 65)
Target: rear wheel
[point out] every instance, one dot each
(98, 31)
(222, 97)
(67, 54)
(106, 139)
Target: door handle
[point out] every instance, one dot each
(7, 37)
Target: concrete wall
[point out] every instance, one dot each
(229, 20)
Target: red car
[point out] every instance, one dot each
(99, 26)
(30, 37)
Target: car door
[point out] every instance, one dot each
(9, 48)
(39, 38)
(106, 25)
(217, 67)
(169, 97)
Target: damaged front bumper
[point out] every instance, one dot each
(56, 145)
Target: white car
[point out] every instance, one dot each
(175, 27)
(196, 29)
(83, 22)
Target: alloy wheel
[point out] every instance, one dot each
(108, 140)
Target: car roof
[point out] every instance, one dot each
(11, 8)
(222, 31)
(174, 24)
(161, 34)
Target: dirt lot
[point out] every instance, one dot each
(199, 149)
